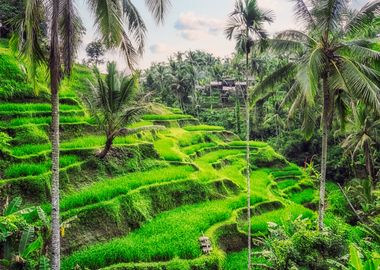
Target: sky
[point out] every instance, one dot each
(190, 25)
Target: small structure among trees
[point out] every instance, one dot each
(227, 88)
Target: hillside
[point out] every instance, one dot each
(148, 202)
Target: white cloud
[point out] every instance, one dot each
(159, 48)
(195, 27)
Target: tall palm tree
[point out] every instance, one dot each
(363, 135)
(334, 56)
(120, 26)
(246, 25)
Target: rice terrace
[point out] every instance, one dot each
(189, 135)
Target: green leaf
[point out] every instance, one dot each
(355, 261)
(44, 263)
(42, 215)
(32, 247)
(13, 207)
(25, 239)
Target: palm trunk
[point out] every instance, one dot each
(106, 148)
(369, 162)
(54, 81)
(326, 119)
(248, 160)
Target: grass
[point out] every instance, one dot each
(140, 124)
(287, 183)
(32, 169)
(279, 216)
(171, 234)
(168, 117)
(203, 128)
(189, 150)
(251, 144)
(17, 108)
(88, 142)
(306, 195)
(23, 121)
(238, 260)
(110, 188)
(168, 149)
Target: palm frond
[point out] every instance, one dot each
(136, 24)
(71, 29)
(130, 53)
(303, 14)
(108, 20)
(330, 14)
(363, 19)
(158, 8)
(292, 94)
(359, 49)
(273, 79)
(308, 74)
(285, 45)
(359, 84)
(295, 35)
(309, 121)
(30, 38)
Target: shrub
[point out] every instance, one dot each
(296, 245)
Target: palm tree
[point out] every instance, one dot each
(120, 26)
(363, 135)
(246, 25)
(113, 103)
(332, 57)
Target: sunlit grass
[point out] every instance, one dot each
(157, 117)
(172, 234)
(32, 169)
(110, 188)
(203, 128)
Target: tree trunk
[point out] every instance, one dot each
(248, 159)
(326, 120)
(54, 84)
(369, 162)
(106, 148)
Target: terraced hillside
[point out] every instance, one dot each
(157, 192)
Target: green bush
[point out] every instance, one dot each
(296, 245)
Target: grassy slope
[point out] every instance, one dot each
(171, 234)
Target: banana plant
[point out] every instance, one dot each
(15, 231)
(357, 263)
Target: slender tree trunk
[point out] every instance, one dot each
(326, 119)
(54, 84)
(247, 114)
(106, 148)
(369, 162)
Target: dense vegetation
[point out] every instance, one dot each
(147, 168)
